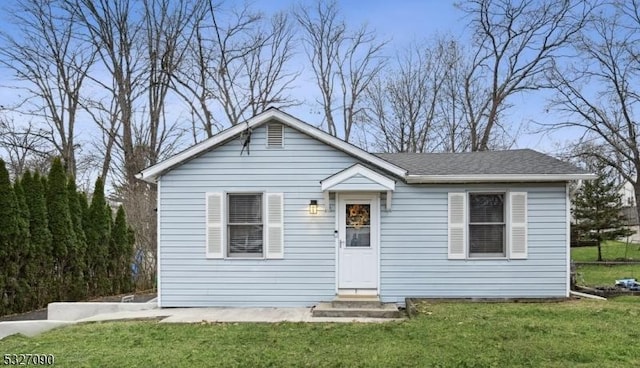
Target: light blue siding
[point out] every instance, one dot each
(414, 258)
(305, 276)
(413, 247)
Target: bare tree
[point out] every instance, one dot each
(402, 107)
(600, 96)
(109, 25)
(239, 63)
(167, 32)
(45, 53)
(344, 63)
(515, 43)
(24, 147)
(141, 45)
(453, 132)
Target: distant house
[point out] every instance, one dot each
(627, 194)
(275, 212)
(630, 214)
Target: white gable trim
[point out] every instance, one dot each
(385, 183)
(150, 174)
(357, 169)
(498, 178)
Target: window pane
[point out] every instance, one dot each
(358, 237)
(358, 215)
(486, 207)
(245, 208)
(245, 240)
(486, 239)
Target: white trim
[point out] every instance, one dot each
(266, 142)
(462, 227)
(388, 201)
(225, 225)
(375, 203)
(357, 169)
(150, 174)
(158, 275)
(222, 253)
(568, 238)
(378, 232)
(336, 236)
(270, 226)
(490, 178)
(514, 225)
(357, 292)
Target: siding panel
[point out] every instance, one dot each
(414, 262)
(305, 276)
(413, 244)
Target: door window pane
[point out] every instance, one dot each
(358, 225)
(358, 237)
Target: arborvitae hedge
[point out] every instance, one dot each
(40, 238)
(9, 245)
(78, 289)
(26, 271)
(55, 246)
(121, 254)
(61, 227)
(98, 231)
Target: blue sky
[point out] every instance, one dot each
(407, 21)
(402, 22)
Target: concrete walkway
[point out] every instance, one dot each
(194, 315)
(108, 312)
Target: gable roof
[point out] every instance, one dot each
(487, 166)
(357, 177)
(150, 174)
(523, 165)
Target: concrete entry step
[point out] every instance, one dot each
(352, 301)
(382, 311)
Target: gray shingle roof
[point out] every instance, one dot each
(518, 162)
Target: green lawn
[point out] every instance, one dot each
(611, 250)
(596, 275)
(575, 333)
(593, 275)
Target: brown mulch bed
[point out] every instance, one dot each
(140, 297)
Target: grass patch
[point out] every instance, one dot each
(626, 299)
(601, 275)
(573, 333)
(611, 250)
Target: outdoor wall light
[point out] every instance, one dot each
(313, 207)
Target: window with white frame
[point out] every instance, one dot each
(487, 225)
(245, 226)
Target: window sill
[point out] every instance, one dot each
(492, 259)
(238, 258)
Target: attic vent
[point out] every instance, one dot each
(275, 134)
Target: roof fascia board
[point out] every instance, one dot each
(151, 173)
(422, 179)
(354, 170)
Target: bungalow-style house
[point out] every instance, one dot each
(275, 212)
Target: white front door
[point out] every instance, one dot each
(358, 223)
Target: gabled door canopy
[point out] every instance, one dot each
(358, 178)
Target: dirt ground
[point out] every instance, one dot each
(141, 297)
